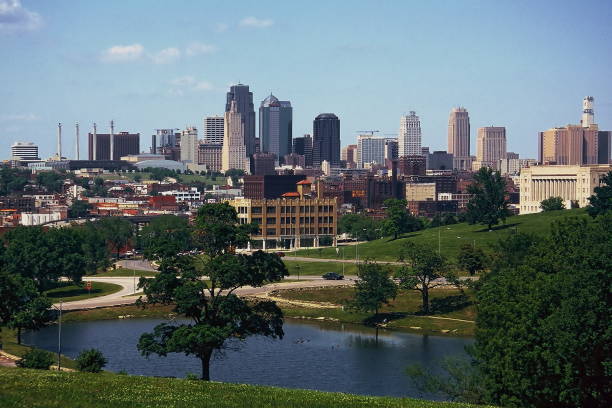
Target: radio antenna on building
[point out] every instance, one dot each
(77, 142)
(95, 142)
(59, 141)
(112, 139)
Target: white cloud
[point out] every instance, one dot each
(166, 56)
(14, 17)
(221, 27)
(123, 53)
(256, 22)
(196, 48)
(19, 117)
(188, 83)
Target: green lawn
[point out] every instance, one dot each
(318, 268)
(450, 238)
(32, 388)
(402, 313)
(68, 291)
(126, 272)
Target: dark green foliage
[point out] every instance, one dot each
(216, 313)
(398, 220)
(37, 359)
(552, 204)
(489, 204)
(93, 246)
(51, 181)
(160, 174)
(116, 231)
(326, 240)
(373, 288)
(601, 201)
(79, 209)
(472, 259)
(166, 236)
(97, 189)
(359, 226)
(543, 329)
(422, 268)
(91, 361)
(13, 180)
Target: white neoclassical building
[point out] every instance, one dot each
(571, 183)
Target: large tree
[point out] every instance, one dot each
(552, 204)
(117, 232)
(373, 288)
(472, 259)
(79, 209)
(488, 204)
(359, 226)
(422, 271)
(543, 333)
(166, 236)
(398, 220)
(601, 201)
(215, 312)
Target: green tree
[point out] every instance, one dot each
(51, 181)
(472, 259)
(34, 314)
(421, 271)
(79, 209)
(543, 333)
(116, 231)
(137, 178)
(398, 220)
(601, 201)
(94, 247)
(37, 359)
(12, 180)
(216, 312)
(359, 226)
(166, 236)
(373, 288)
(489, 204)
(91, 361)
(552, 204)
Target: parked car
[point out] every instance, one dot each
(280, 254)
(333, 276)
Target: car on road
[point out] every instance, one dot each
(332, 276)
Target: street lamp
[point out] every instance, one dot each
(59, 338)
(297, 268)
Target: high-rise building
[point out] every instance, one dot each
(24, 151)
(349, 155)
(244, 106)
(391, 149)
(409, 140)
(209, 155)
(440, 160)
(275, 127)
(510, 164)
(213, 129)
(262, 164)
(370, 150)
(189, 145)
(234, 154)
(490, 147)
(459, 138)
(123, 144)
(303, 146)
(326, 140)
(574, 145)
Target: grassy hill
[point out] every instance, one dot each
(449, 238)
(32, 388)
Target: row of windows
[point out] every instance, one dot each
(287, 209)
(292, 231)
(292, 220)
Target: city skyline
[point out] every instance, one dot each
(145, 80)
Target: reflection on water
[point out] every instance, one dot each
(313, 355)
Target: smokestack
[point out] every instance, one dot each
(112, 140)
(95, 142)
(77, 142)
(59, 141)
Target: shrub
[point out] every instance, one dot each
(91, 361)
(37, 359)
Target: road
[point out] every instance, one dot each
(126, 295)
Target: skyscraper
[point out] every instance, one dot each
(275, 126)
(459, 138)
(326, 140)
(189, 145)
(24, 151)
(123, 144)
(244, 105)
(349, 155)
(213, 129)
(303, 146)
(409, 140)
(490, 147)
(234, 154)
(370, 150)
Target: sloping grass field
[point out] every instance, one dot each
(51, 389)
(448, 238)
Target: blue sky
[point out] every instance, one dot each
(151, 64)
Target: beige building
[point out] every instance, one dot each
(490, 147)
(420, 191)
(459, 138)
(574, 145)
(571, 183)
(349, 155)
(233, 155)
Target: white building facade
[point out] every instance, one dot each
(189, 145)
(409, 140)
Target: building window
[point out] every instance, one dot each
(271, 210)
(271, 220)
(270, 231)
(256, 210)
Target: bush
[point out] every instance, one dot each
(91, 361)
(37, 359)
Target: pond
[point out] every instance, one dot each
(312, 355)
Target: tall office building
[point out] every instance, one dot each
(243, 98)
(349, 155)
(123, 144)
(391, 149)
(275, 127)
(370, 150)
(189, 145)
(326, 140)
(24, 151)
(409, 140)
(490, 147)
(213, 129)
(574, 145)
(209, 155)
(459, 138)
(234, 154)
(303, 146)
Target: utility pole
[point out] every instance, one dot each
(59, 340)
